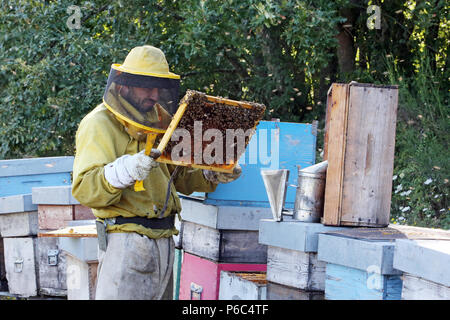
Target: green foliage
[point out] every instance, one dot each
(51, 76)
(421, 172)
(283, 53)
(264, 51)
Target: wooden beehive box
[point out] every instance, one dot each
(227, 246)
(18, 176)
(57, 206)
(361, 263)
(199, 113)
(20, 263)
(18, 216)
(78, 244)
(242, 286)
(292, 256)
(222, 234)
(417, 288)
(359, 268)
(52, 267)
(200, 277)
(425, 264)
(296, 269)
(359, 146)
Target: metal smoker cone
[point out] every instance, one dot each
(275, 182)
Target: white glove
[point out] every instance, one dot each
(126, 170)
(222, 177)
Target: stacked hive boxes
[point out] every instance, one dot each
(36, 199)
(220, 234)
(373, 264)
(19, 217)
(424, 264)
(56, 206)
(18, 228)
(359, 147)
(56, 210)
(359, 265)
(313, 261)
(216, 239)
(78, 243)
(293, 269)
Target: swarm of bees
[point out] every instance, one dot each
(205, 114)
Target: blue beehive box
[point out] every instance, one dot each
(275, 145)
(18, 176)
(359, 264)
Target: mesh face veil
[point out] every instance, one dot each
(145, 101)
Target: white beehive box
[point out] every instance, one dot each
(425, 265)
(242, 286)
(78, 242)
(21, 268)
(292, 253)
(52, 267)
(18, 216)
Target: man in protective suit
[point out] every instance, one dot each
(135, 229)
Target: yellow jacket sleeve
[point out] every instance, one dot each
(189, 180)
(95, 148)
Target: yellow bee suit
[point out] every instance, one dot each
(101, 139)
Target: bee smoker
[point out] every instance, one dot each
(309, 198)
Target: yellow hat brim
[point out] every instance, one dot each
(121, 68)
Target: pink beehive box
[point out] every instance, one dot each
(200, 277)
(57, 206)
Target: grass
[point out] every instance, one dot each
(421, 166)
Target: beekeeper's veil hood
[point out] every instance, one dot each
(142, 92)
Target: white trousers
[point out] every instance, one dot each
(135, 267)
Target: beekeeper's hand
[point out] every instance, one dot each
(222, 177)
(126, 170)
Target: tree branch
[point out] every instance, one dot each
(237, 66)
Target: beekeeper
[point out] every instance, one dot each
(135, 229)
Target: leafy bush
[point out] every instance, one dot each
(421, 172)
